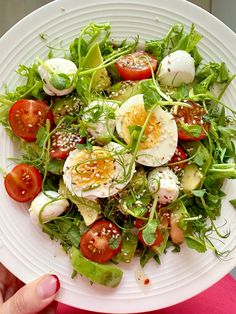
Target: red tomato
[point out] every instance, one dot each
(101, 242)
(136, 66)
(191, 116)
(139, 223)
(23, 183)
(63, 143)
(26, 116)
(177, 157)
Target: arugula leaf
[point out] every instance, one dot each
(202, 87)
(82, 87)
(150, 98)
(51, 183)
(87, 146)
(146, 256)
(160, 48)
(33, 86)
(60, 81)
(199, 193)
(181, 93)
(194, 130)
(219, 72)
(139, 211)
(89, 35)
(70, 231)
(41, 136)
(176, 39)
(233, 202)
(114, 242)
(149, 233)
(135, 132)
(55, 166)
(195, 243)
(202, 156)
(5, 106)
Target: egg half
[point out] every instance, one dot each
(161, 134)
(101, 172)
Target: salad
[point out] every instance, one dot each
(124, 149)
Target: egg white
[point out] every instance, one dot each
(117, 180)
(165, 147)
(59, 65)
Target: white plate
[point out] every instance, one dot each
(24, 249)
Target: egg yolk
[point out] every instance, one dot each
(137, 116)
(92, 168)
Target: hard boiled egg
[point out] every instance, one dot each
(160, 132)
(101, 172)
(176, 68)
(99, 117)
(57, 66)
(48, 205)
(164, 182)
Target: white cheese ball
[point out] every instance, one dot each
(164, 182)
(60, 66)
(55, 207)
(104, 126)
(176, 68)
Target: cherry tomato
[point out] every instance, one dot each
(191, 116)
(26, 116)
(136, 66)
(139, 223)
(63, 143)
(23, 183)
(178, 156)
(101, 242)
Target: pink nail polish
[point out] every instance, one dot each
(48, 286)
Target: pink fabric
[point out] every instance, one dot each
(219, 299)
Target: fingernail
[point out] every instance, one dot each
(48, 286)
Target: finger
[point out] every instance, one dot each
(33, 297)
(51, 309)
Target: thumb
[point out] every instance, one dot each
(33, 297)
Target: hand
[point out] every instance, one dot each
(17, 298)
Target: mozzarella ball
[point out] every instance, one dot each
(161, 131)
(102, 172)
(48, 207)
(59, 66)
(99, 117)
(176, 68)
(164, 182)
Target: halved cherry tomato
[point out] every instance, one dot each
(191, 116)
(26, 116)
(139, 223)
(23, 183)
(136, 66)
(63, 143)
(178, 156)
(101, 242)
